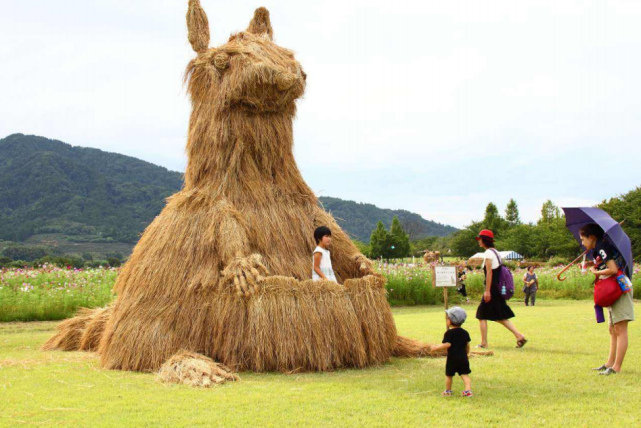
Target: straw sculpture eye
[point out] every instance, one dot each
(221, 60)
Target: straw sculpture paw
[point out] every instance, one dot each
(246, 274)
(364, 264)
(194, 369)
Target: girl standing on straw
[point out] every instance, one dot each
(493, 307)
(322, 267)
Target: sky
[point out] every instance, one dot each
(430, 106)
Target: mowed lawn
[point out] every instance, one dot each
(548, 383)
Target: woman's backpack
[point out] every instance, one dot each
(506, 280)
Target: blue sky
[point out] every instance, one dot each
(434, 107)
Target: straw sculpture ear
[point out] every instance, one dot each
(198, 26)
(260, 24)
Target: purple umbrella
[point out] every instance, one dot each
(576, 218)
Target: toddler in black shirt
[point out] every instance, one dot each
(457, 342)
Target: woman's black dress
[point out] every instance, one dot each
(497, 309)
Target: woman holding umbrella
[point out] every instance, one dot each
(612, 251)
(493, 307)
(608, 261)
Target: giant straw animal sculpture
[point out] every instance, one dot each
(224, 270)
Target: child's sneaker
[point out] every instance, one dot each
(446, 393)
(467, 394)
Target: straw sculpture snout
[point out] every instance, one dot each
(249, 72)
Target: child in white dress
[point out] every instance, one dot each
(322, 262)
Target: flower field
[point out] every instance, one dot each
(53, 293)
(411, 284)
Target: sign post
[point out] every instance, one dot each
(444, 276)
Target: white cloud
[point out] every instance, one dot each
(435, 107)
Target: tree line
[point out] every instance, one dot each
(547, 239)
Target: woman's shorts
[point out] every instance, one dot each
(622, 309)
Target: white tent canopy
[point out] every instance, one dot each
(505, 255)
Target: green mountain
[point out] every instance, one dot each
(57, 191)
(48, 186)
(359, 219)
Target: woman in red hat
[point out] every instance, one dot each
(493, 307)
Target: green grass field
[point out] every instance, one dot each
(546, 384)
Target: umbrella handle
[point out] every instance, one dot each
(558, 276)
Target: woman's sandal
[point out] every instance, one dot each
(446, 393)
(521, 343)
(480, 346)
(608, 371)
(600, 369)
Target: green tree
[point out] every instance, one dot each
(549, 212)
(400, 240)
(551, 238)
(512, 214)
(463, 243)
(113, 262)
(29, 253)
(378, 241)
(363, 248)
(520, 239)
(627, 208)
(493, 219)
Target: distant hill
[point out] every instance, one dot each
(59, 192)
(47, 186)
(360, 219)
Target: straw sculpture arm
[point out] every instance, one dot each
(245, 272)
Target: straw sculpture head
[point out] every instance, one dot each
(224, 270)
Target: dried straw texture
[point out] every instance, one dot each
(70, 333)
(481, 353)
(432, 256)
(94, 329)
(286, 325)
(224, 269)
(261, 23)
(195, 370)
(408, 348)
(198, 26)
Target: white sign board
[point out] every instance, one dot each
(445, 276)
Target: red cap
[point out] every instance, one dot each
(485, 233)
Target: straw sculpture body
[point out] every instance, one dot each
(224, 270)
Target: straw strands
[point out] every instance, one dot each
(224, 269)
(194, 369)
